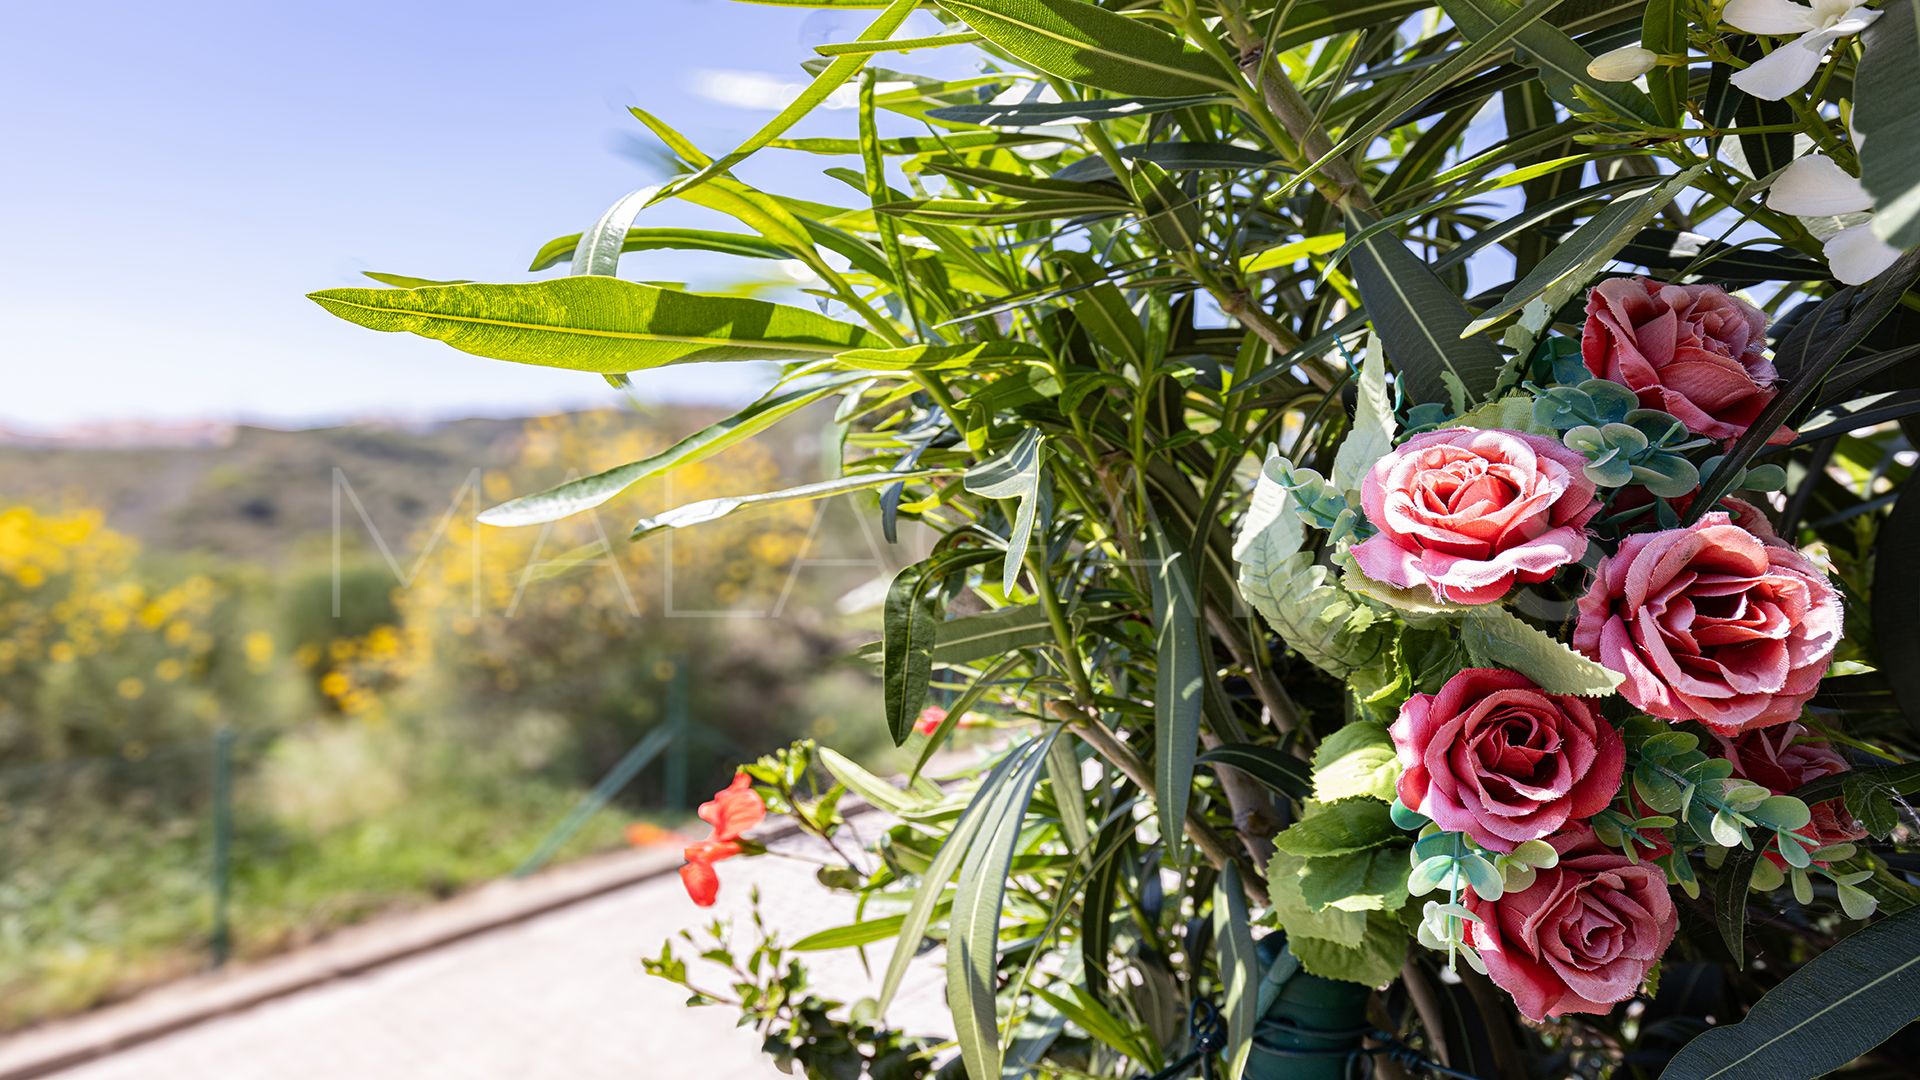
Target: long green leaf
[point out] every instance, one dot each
(1177, 687)
(1843, 1003)
(973, 937)
(1015, 474)
(1420, 320)
(599, 324)
(1730, 893)
(699, 513)
(1561, 61)
(1887, 116)
(560, 249)
(1576, 259)
(1056, 113)
(823, 85)
(913, 925)
(992, 633)
(1239, 968)
(1087, 44)
(910, 617)
(1278, 770)
(590, 491)
(1814, 348)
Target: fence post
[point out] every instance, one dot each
(222, 842)
(677, 750)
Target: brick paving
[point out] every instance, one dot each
(559, 996)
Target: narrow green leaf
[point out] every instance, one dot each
(1841, 1004)
(1177, 687)
(1663, 30)
(910, 617)
(699, 513)
(1063, 113)
(866, 785)
(1887, 116)
(1239, 968)
(588, 492)
(992, 633)
(1014, 475)
(598, 324)
(983, 355)
(913, 925)
(1069, 796)
(973, 940)
(823, 85)
(1276, 769)
(1087, 44)
(561, 249)
(852, 935)
(1420, 320)
(1561, 61)
(1730, 900)
(1290, 254)
(1572, 263)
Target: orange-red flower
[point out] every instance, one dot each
(930, 720)
(733, 810)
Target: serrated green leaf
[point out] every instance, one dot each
(1371, 436)
(1338, 828)
(1300, 920)
(1357, 760)
(1495, 637)
(1373, 880)
(1374, 962)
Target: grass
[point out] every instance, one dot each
(100, 903)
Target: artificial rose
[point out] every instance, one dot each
(1582, 937)
(1690, 350)
(1496, 757)
(1468, 512)
(1711, 623)
(1783, 758)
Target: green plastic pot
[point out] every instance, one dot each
(1311, 1027)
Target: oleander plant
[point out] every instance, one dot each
(1414, 489)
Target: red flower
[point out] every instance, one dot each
(1582, 937)
(1783, 758)
(733, 810)
(1690, 350)
(930, 720)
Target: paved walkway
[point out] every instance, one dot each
(559, 996)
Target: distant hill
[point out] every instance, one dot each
(261, 494)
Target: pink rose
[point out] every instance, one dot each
(1581, 937)
(1690, 350)
(1467, 513)
(1711, 623)
(1783, 758)
(1496, 757)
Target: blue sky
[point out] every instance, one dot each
(177, 177)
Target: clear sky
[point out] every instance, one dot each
(177, 176)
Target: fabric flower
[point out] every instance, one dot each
(1582, 937)
(1711, 623)
(1783, 758)
(732, 811)
(1788, 67)
(1815, 186)
(1496, 757)
(1690, 350)
(1468, 512)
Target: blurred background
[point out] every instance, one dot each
(260, 675)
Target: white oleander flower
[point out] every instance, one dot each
(1624, 64)
(1815, 186)
(1788, 67)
